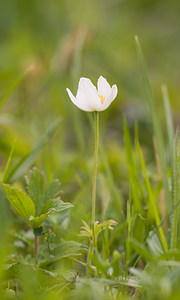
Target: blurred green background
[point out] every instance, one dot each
(45, 47)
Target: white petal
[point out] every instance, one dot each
(113, 93)
(87, 95)
(109, 99)
(74, 100)
(104, 88)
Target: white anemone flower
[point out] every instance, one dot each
(89, 98)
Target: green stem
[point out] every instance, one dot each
(36, 238)
(96, 118)
(89, 258)
(92, 239)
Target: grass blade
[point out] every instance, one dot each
(9, 162)
(156, 125)
(14, 85)
(151, 197)
(169, 122)
(175, 191)
(132, 170)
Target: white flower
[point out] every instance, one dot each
(89, 98)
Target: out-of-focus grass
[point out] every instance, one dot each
(62, 41)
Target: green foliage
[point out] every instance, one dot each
(35, 184)
(40, 202)
(64, 250)
(62, 41)
(19, 201)
(156, 124)
(175, 190)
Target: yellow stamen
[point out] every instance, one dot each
(102, 98)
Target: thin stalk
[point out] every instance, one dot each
(36, 240)
(89, 258)
(96, 119)
(162, 195)
(175, 190)
(93, 239)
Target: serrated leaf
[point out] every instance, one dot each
(52, 190)
(51, 206)
(103, 225)
(56, 205)
(86, 231)
(19, 201)
(35, 185)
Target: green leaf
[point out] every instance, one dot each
(52, 190)
(156, 125)
(37, 221)
(51, 206)
(85, 231)
(56, 206)
(106, 224)
(154, 244)
(64, 250)
(138, 228)
(19, 201)
(35, 184)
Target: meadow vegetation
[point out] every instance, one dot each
(52, 244)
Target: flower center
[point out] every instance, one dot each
(101, 98)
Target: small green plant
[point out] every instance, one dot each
(41, 200)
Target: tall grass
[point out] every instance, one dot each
(135, 256)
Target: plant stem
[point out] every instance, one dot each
(92, 239)
(96, 118)
(36, 239)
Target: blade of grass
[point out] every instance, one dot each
(27, 161)
(156, 125)
(151, 198)
(175, 191)
(132, 169)
(162, 197)
(169, 122)
(9, 161)
(14, 85)
(129, 221)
